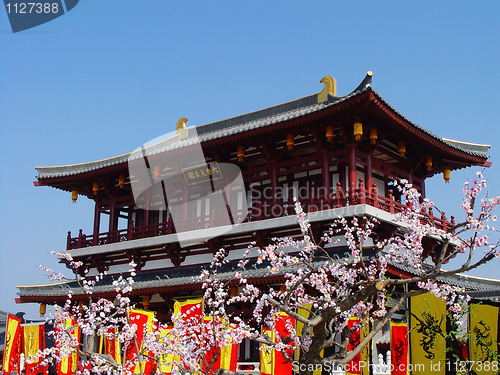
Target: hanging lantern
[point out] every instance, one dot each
(329, 133)
(80, 306)
(121, 180)
(95, 187)
(74, 196)
(373, 136)
(447, 175)
(428, 162)
(157, 172)
(358, 130)
(233, 291)
(241, 153)
(290, 141)
(43, 309)
(145, 301)
(401, 148)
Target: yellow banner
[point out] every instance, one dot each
(12, 344)
(167, 359)
(184, 306)
(111, 345)
(484, 338)
(365, 353)
(227, 356)
(31, 340)
(266, 355)
(68, 364)
(427, 335)
(304, 312)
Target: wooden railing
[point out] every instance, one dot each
(258, 211)
(151, 230)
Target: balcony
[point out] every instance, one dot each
(259, 210)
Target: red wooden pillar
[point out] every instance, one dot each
(80, 239)
(226, 194)
(111, 215)
(170, 223)
(342, 176)
(351, 167)
(375, 195)
(260, 206)
(369, 172)
(339, 199)
(97, 222)
(130, 223)
(361, 192)
(325, 168)
(274, 184)
(290, 193)
(391, 202)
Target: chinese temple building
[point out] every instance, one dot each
(335, 154)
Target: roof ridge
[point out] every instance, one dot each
(254, 120)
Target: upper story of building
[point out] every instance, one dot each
(331, 152)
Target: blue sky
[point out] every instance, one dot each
(111, 75)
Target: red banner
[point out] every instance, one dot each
(144, 321)
(353, 367)
(227, 357)
(12, 348)
(282, 324)
(399, 348)
(191, 308)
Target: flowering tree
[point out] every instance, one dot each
(330, 290)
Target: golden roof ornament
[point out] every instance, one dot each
(181, 129)
(330, 87)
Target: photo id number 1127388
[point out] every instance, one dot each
(28, 8)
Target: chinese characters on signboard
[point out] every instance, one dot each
(203, 172)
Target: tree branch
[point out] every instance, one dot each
(378, 327)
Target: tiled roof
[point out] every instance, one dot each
(476, 287)
(169, 277)
(3, 317)
(250, 121)
(182, 278)
(468, 148)
(143, 280)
